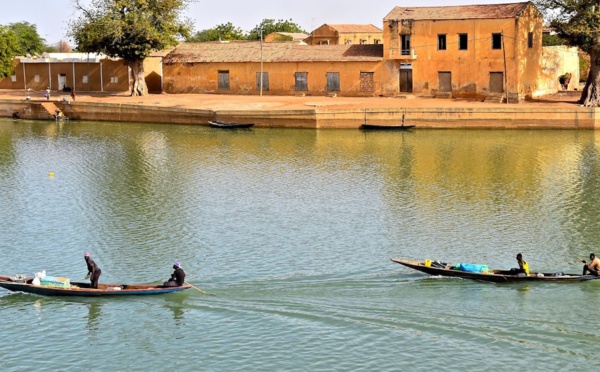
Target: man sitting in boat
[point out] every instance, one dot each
(593, 267)
(523, 266)
(177, 278)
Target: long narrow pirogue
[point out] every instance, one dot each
(80, 289)
(496, 276)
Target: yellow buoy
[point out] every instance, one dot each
(51, 174)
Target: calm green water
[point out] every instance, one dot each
(292, 230)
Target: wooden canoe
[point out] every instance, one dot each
(226, 125)
(386, 127)
(496, 276)
(81, 289)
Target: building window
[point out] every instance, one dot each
(442, 42)
(348, 41)
(36, 78)
(496, 41)
(366, 82)
(363, 41)
(405, 45)
(530, 40)
(463, 41)
(223, 80)
(333, 81)
(301, 83)
(114, 79)
(324, 42)
(13, 78)
(376, 41)
(265, 81)
(85, 79)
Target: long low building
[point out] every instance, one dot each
(287, 69)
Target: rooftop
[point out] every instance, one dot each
(488, 11)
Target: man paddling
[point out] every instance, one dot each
(93, 271)
(593, 267)
(177, 278)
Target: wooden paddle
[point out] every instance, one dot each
(199, 290)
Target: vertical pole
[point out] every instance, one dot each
(505, 74)
(74, 75)
(261, 61)
(24, 76)
(101, 77)
(49, 76)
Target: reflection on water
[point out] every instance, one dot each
(293, 231)
(94, 312)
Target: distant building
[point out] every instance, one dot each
(345, 34)
(288, 69)
(285, 36)
(466, 51)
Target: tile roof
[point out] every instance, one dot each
(343, 28)
(489, 11)
(249, 51)
(293, 35)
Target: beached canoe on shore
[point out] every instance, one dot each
(496, 276)
(80, 289)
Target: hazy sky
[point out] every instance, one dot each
(51, 16)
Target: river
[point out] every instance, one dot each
(292, 232)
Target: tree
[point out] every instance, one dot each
(129, 29)
(9, 47)
(269, 26)
(30, 41)
(225, 31)
(578, 22)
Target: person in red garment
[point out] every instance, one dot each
(177, 278)
(593, 267)
(93, 271)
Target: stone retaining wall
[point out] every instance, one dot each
(511, 116)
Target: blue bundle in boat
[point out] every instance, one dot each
(472, 268)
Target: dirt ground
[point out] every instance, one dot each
(237, 102)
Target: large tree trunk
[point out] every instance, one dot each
(590, 96)
(139, 82)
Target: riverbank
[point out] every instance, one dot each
(557, 111)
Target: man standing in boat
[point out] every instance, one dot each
(177, 278)
(593, 267)
(93, 271)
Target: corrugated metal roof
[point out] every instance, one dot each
(489, 11)
(345, 28)
(249, 51)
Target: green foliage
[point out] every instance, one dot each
(225, 31)
(269, 26)
(30, 41)
(130, 29)
(9, 48)
(575, 21)
(552, 40)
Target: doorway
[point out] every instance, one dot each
(496, 82)
(445, 82)
(406, 80)
(62, 81)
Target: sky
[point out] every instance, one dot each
(52, 16)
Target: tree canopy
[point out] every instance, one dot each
(269, 26)
(130, 29)
(225, 31)
(29, 40)
(9, 47)
(578, 23)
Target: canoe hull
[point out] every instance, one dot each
(226, 125)
(386, 127)
(495, 276)
(84, 290)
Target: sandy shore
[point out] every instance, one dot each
(217, 102)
